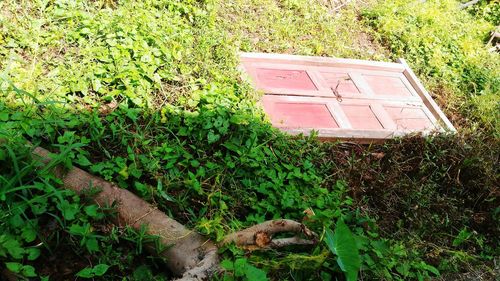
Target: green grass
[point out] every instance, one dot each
(298, 27)
(42, 222)
(187, 135)
(89, 52)
(446, 46)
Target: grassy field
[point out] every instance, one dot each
(147, 94)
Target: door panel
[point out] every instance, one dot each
(340, 98)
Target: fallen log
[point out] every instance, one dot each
(188, 254)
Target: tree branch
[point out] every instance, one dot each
(292, 241)
(188, 254)
(185, 249)
(470, 3)
(260, 235)
(206, 268)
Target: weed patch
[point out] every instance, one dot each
(297, 27)
(187, 136)
(446, 46)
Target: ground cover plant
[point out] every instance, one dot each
(430, 36)
(146, 94)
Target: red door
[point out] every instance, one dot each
(339, 98)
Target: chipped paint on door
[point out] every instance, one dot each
(347, 99)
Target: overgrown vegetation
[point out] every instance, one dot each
(187, 136)
(487, 10)
(48, 231)
(446, 46)
(297, 27)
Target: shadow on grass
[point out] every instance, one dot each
(219, 165)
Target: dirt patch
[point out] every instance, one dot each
(369, 45)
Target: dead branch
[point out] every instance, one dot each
(470, 3)
(207, 267)
(260, 235)
(187, 253)
(107, 108)
(292, 241)
(185, 249)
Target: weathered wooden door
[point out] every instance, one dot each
(339, 98)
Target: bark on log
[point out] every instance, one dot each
(260, 235)
(186, 249)
(188, 254)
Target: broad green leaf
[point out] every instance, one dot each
(91, 210)
(16, 221)
(28, 234)
(239, 267)
(92, 245)
(243, 268)
(132, 113)
(142, 273)
(430, 268)
(4, 116)
(33, 253)
(124, 172)
(14, 266)
(28, 271)
(86, 273)
(82, 160)
(77, 229)
(68, 210)
(343, 244)
(227, 264)
(100, 269)
(212, 137)
(253, 273)
(404, 269)
(14, 248)
(461, 237)
(96, 85)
